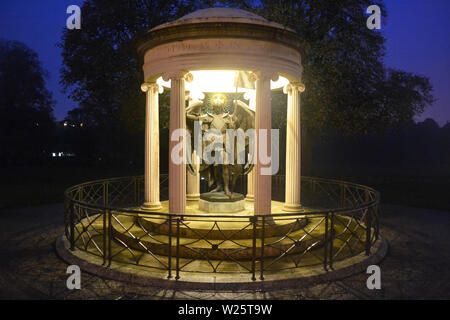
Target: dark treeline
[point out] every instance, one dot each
(419, 149)
(357, 115)
(348, 88)
(351, 104)
(27, 128)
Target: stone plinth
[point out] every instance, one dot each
(219, 202)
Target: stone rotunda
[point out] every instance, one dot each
(201, 52)
(220, 67)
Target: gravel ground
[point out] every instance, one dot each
(417, 265)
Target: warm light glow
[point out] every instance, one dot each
(218, 81)
(218, 99)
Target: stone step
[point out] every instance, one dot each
(129, 232)
(128, 235)
(226, 228)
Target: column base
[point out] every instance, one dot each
(292, 207)
(193, 197)
(149, 206)
(250, 198)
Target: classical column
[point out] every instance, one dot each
(250, 196)
(263, 126)
(151, 192)
(293, 147)
(177, 143)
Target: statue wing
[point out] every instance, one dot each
(193, 113)
(243, 117)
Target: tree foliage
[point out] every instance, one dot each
(347, 86)
(26, 106)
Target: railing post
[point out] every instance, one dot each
(177, 265)
(80, 194)
(135, 199)
(368, 230)
(105, 193)
(331, 239)
(254, 220)
(80, 200)
(377, 221)
(72, 226)
(325, 245)
(109, 236)
(169, 262)
(105, 230)
(106, 222)
(263, 220)
(368, 222)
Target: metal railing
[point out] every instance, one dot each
(340, 220)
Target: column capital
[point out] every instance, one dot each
(178, 75)
(264, 74)
(294, 86)
(150, 87)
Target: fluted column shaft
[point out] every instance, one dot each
(293, 148)
(151, 192)
(177, 169)
(263, 123)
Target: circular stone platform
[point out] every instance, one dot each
(220, 282)
(227, 250)
(212, 229)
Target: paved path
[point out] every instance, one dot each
(417, 265)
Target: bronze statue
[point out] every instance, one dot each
(223, 175)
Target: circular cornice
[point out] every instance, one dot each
(223, 29)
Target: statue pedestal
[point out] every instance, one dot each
(218, 202)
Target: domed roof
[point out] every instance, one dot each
(221, 23)
(221, 15)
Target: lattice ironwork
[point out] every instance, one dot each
(103, 218)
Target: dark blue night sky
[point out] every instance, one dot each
(417, 33)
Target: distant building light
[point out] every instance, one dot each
(62, 154)
(65, 124)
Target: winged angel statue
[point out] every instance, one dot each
(222, 172)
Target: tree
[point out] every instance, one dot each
(26, 106)
(343, 72)
(347, 86)
(102, 70)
